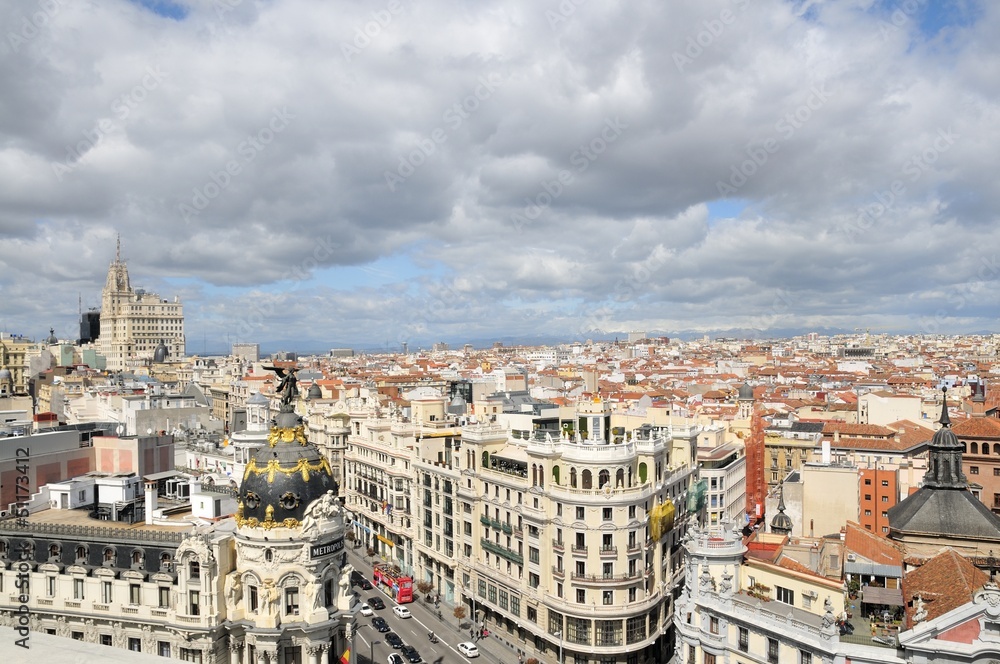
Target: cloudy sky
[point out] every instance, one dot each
(367, 173)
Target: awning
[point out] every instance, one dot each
(886, 596)
(391, 543)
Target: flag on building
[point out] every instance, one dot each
(346, 657)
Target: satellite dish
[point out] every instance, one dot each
(119, 429)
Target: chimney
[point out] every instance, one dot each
(150, 501)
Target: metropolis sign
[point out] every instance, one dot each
(326, 548)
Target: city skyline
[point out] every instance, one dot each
(399, 172)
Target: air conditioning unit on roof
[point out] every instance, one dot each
(851, 557)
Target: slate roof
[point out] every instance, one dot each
(950, 512)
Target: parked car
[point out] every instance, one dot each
(401, 611)
(380, 624)
(366, 611)
(376, 603)
(411, 654)
(468, 648)
(394, 659)
(393, 640)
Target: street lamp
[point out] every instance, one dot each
(371, 651)
(355, 626)
(559, 634)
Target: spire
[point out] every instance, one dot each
(781, 523)
(944, 463)
(118, 248)
(945, 421)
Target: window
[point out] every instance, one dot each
(805, 657)
(50, 586)
(291, 601)
(996, 472)
(532, 554)
(784, 595)
(105, 592)
(713, 625)
(868, 481)
(744, 639)
(164, 597)
(606, 514)
(194, 607)
(579, 513)
(885, 482)
(973, 470)
(134, 644)
(868, 496)
(162, 648)
(133, 593)
(105, 639)
(868, 512)
(635, 629)
(772, 651)
(631, 511)
(581, 596)
(252, 592)
(533, 580)
(709, 658)
(194, 570)
(78, 589)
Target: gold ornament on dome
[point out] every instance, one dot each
(274, 466)
(287, 435)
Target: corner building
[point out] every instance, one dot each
(569, 541)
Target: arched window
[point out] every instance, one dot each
(165, 561)
(555, 474)
(572, 477)
(620, 478)
(603, 478)
(642, 473)
(965, 449)
(587, 479)
(975, 448)
(81, 553)
(54, 551)
(138, 557)
(630, 476)
(109, 556)
(996, 449)
(486, 459)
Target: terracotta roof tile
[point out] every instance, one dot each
(977, 427)
(945, 582)
(870, 546)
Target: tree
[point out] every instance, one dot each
(371, 552)
(425, 588)
(459, 614)
(350, 536)
(532, 660)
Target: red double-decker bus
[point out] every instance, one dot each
(395, 583)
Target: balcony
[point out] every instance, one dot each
(558, 545)
(609, 551)
(502, 551)
(582, 550)
(507, 528)
(558, 573)
(605, 578)
(633, 548)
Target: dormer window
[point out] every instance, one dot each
(194, 569)
(138, 557)
(54, 551)
(81, 554)
(109, 556)
(166, 563)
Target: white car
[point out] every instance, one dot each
(366, 611)
(401, 611)
(468, 648)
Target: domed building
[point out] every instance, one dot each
(290, 579)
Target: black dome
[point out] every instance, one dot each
(160, 353)
(283, 477)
